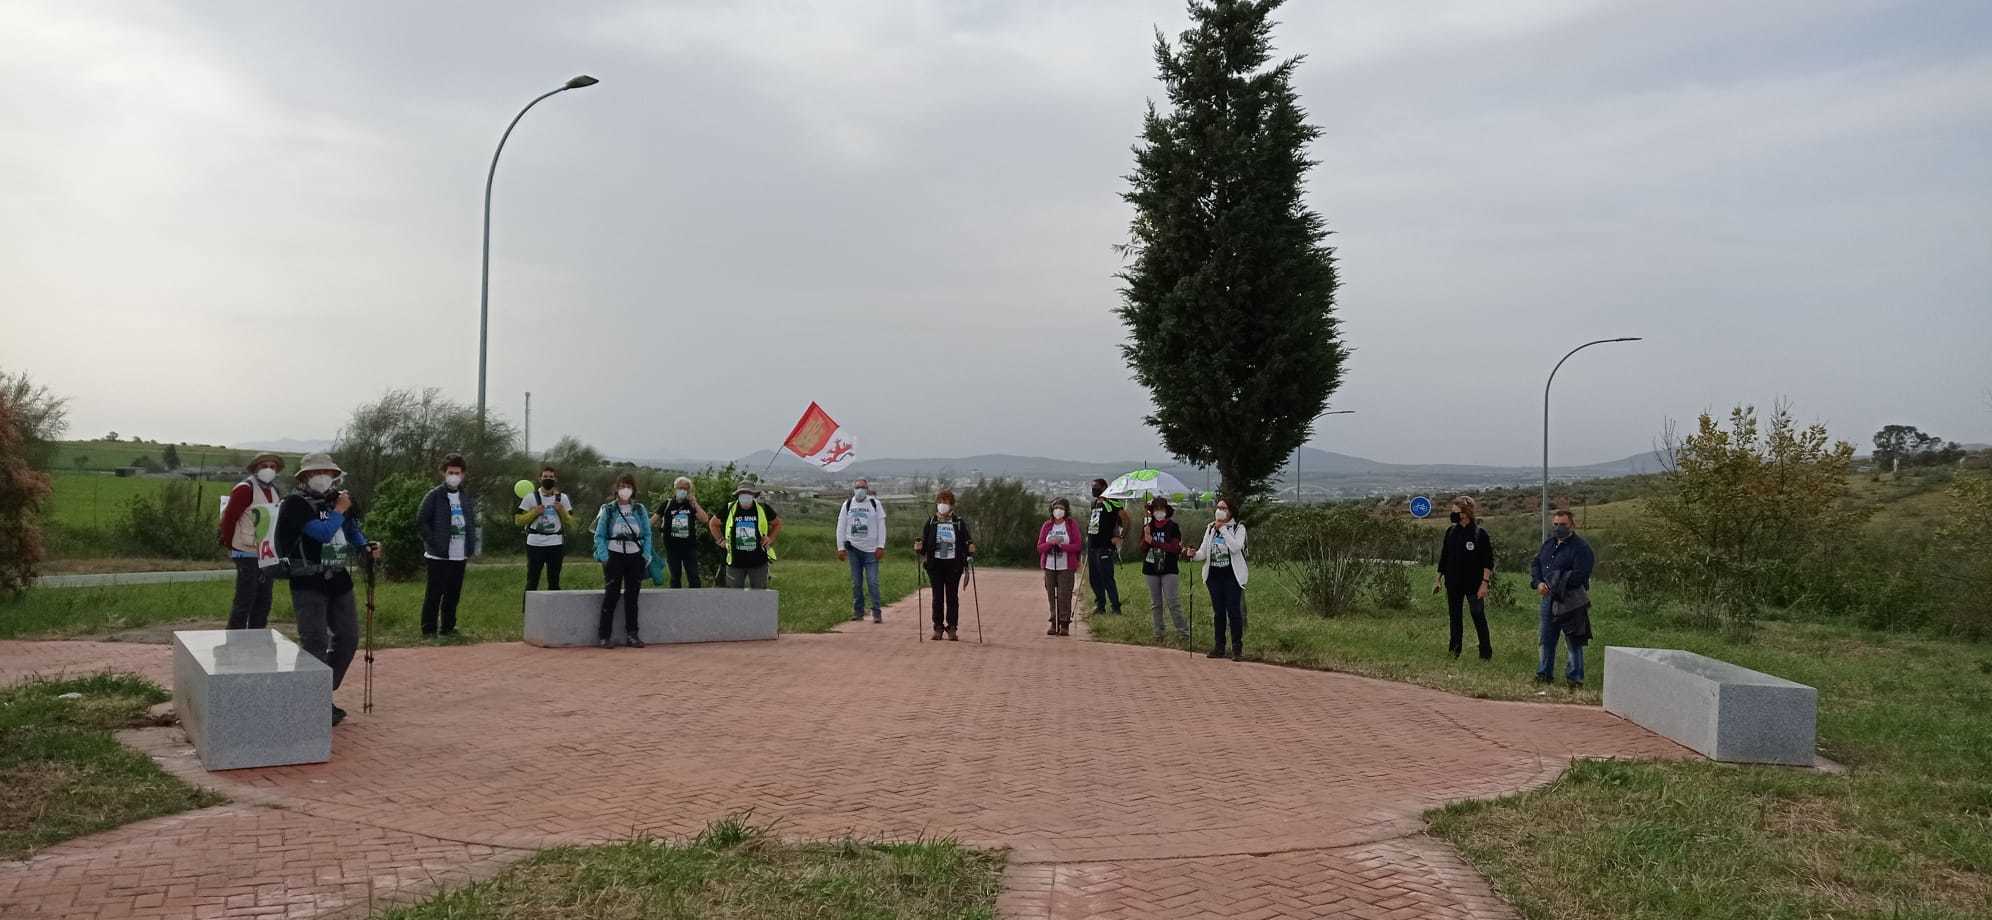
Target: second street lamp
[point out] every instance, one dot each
(484, 283)
(1545, 422)
(1296, 455)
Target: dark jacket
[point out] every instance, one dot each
(305, 524)
(1465, 556)
(1170, 544)
(963, 537)
(1566, 567)
(434, 519)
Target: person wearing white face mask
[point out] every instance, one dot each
(317, 535)
(861, 542)
(1058, 556)
(1161, 544)
(448, 521)
(624, 548)
(248, 532)
(1223, 553)
(681, 543)
(748, 532)
(944, 548)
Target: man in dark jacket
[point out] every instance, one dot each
(316, 537)
(1561, 573)
(448, 520)
(1106, 522)
(1466, 571)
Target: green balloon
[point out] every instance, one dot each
(523, 488)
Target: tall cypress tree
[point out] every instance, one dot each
(1229, 296)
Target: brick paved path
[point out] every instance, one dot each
(1127, 782)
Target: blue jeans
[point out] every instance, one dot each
(864, 572)
(1548, 634)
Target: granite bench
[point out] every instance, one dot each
(556, 619)
(251, 698)
(1724, 711)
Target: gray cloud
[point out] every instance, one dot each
(906, 211)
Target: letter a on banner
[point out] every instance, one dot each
(821, 442)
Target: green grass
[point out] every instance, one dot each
(1906, 834)
(83, 499)
(733, 871)
(109, 455)
(62, 775)
(815, 596)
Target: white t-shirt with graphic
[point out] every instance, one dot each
(457, 526)
(545, 529)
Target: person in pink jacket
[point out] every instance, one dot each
(1059, 552)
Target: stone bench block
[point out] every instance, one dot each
(557, 619)
(1725, 711)
(251, 698)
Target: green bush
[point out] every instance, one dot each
(173, 523)
(392, 521)
(1391, 588)
(1005, 516)
(1332, 554)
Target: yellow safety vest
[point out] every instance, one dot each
(760, 518)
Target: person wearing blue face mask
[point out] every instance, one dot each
(1561, 574)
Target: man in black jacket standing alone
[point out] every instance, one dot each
(448, 521)
(1466, 571)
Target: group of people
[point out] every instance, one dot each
(308, 537)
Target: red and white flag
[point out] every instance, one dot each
(821, 442)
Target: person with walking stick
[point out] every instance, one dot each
(1058, 556)
(1224, 573)
(944, 547)
(316, 535)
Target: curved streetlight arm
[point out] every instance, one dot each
(1296, 452)
(484, 283)
(1545, 421)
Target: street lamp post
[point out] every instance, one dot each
(1545, 422)
(1296, 455)
(484, 284)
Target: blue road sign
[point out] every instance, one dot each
(1421, 506)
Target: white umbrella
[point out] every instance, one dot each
(1146, 482)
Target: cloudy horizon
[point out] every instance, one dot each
(236, 222)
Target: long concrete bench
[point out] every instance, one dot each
(1725, 711)
(556, 619)
(251, 698)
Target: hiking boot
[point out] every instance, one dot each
(1216, 653)
(1574, 684)
(953, 636)
(1052, 631)
(633, 642)
(1544, 679)
(938, 635)
(878, 616)
(858, 616)
(338, 715)
(604, 643)
(1237, 654)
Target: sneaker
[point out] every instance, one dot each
(633, 642)
(338, 715)
(1215, 653)
(878, 616)
(856, 617)
(604, 643)
(938, 635)
(1117, 611)
(1238, 654)
(1159, 638)
(1574, 684)
(1052, 631)
(953, 636)
(1544, 679)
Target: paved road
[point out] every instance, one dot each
(1126, 782)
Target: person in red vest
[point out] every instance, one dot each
(248, 523)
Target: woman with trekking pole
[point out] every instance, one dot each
(943, 548)
(1224, 573)
(1059, 550)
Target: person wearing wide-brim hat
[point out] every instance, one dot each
(248, 533)
(747, 531)
(317, 535)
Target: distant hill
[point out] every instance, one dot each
(288, 445)
(1321, 472)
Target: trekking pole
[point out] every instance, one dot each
(1190, 643)
(367, 679)
(976, 587)
(919, 598)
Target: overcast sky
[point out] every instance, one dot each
(235, 221)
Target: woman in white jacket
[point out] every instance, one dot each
(1224, 573)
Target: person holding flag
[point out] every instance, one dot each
(747, 531)
(861, 542)
(248, 532)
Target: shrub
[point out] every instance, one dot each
(391, 519)
(1004, 515)
(1332, 554)
(23, 490)
(172, 523)
(1391, 588)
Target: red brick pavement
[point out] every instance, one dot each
(1126, 782)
